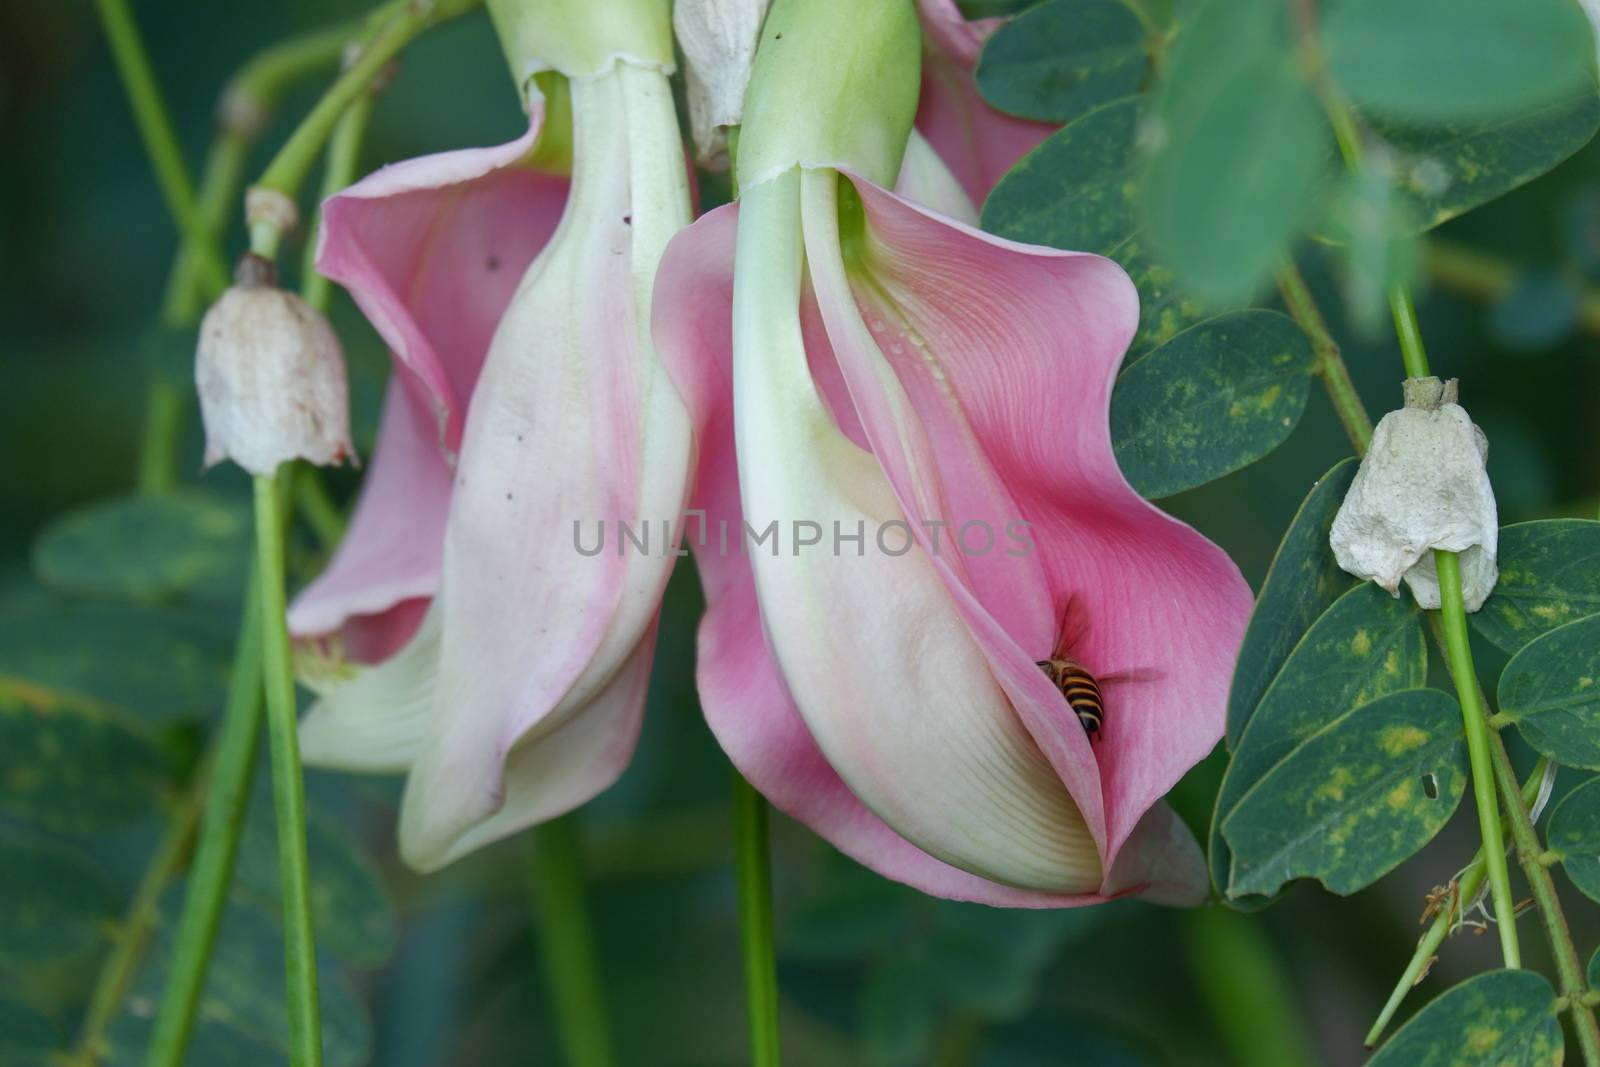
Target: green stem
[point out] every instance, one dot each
(288, 787)
(1406, 328)
(155, 126)
(397, 26)
(1246, 987)
(566, 947)
(1466, 888)
(312, 501)
(753, 871)
(343, 163)
(227, 796)
(1330, 361)
(116, 975)
(1569, 969)
(161, 437)
(1454, 617)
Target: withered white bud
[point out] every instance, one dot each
(269, 206)
(271, 377)
(718, 38)
(1422, 485)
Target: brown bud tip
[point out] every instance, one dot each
(255, 272)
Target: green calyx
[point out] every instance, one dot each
(582, 38)
(835, 84)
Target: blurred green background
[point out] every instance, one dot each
(871, 973)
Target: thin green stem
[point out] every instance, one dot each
(312, 501)
(161, 436)
(155, 126)
(1246, 987)
(1330, 361)
(753, 871)
(343, 163)
(1464, 888)
(227, 795)
(288, 787)
(1453, 615)
(1569, 969)
(1412, 354)
(566, 947)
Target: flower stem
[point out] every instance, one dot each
(155, 126)
(566, 946)
(344, 160)
(227, 795)
(288, 788)
(160, 438)
(1569, 970)
(1244, 983)
(1484, 276)
(1330, 362)
(753, 871)
(1465, 889)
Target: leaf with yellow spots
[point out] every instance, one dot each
(1215, 398)
(1354, 800)
(1575, 834)
(1498, 1019)
(1303, 582)
(1364, 646)
(71, 765)
(1548, 689)
(1549, 576)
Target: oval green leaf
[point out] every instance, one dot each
(1549, 576)
(1079, 190)
(1366, 645)
(161, 664)
(1303, 581)
(1059, 59)
(241, 1018)
(1451, 59)
(1215, 398)
(1499, 1019)
(1551, 690)
(53, 902)
(1354, 800)
(73, 766)
(1575, 834)
(1441, 170)
(353, 915)
(186, 543)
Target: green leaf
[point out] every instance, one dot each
(27, 1038)
(1079, 190)
(1215, 398)
(161, 664)
(1059, 59)
(1366, 645)
(241, 1019)
(1593, 972)
(1354, 800)
(1551, 690)
(898, 1011)
(146, 547)
(1447, 59)
(1575, 833)
(1441, 170)
(1303, 581)
(1549, 576)
(73, 766)
(353, 915)
(1242, 154)
(1499, 1019)
(52, 902)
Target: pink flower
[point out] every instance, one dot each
(911, 419)
(511, 666)
(977, 143)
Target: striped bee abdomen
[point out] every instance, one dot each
(1081, 691)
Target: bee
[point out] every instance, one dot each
(1080, 689)
(1077, 685)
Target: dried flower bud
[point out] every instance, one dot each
(270, 376)
(718, 38)
(1422, 485)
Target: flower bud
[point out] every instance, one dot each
(1422, 486)
(270, 376)
(718, 38)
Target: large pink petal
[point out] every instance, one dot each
(744, 697)
(978, 143)
(432, 249)
(390, 555)
(999, 401)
